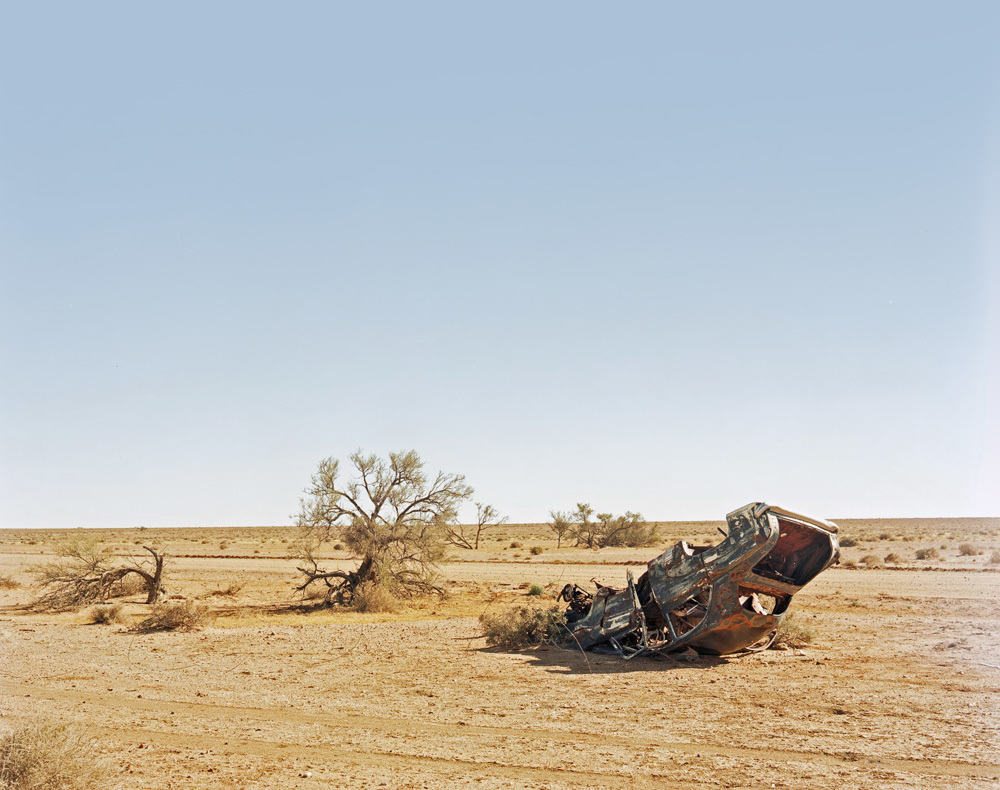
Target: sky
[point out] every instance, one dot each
(650, 256)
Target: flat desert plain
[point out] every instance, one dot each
(898, 687)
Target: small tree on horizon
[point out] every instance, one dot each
(466, 536)
(389, 515)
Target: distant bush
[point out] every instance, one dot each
(536, 589)
(927, 554)
(42, 756)
(995, 558)
(371, 597)
(536, 550)
(871, 561)
(9, 583)
(893, 559)
(849, 564)
(516, 544)
(173, 616)
(231, 590)
(848, 542)
(523, 626)
(792, 633)
(107, 614)
(884, 536)
(968, 550)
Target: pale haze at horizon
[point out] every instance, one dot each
(652, 258)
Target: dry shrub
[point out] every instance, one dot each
(846, 543)
(523, 626)
(968, 550)
(516, 544)
(995, 558)
(371, 597)
(871, 561)
(792, 634)
(43, 756)
(107, 614)
(893, 558)
(536, 550)
(927, 554)
(231, 590)
(9, 583)
(173, 616)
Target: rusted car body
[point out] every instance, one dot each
(715, 599)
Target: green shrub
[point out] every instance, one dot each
(536, 589)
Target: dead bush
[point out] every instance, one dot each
(893, 559)
(107, 614)
(523, 626)
(995, 558)
(968, 550)
(871, 561)
(40, 756)
(370, 597)
(173, 616)
(846, 543)
(792, 634)
(927, 554)
(231, 590)
(9, 583)
(536, 550)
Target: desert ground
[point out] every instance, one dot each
(898, 687)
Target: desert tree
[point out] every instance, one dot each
(561, 524)
(392, 517)
(585, 530)
(466, 536)
(84, 573)
(630, 529)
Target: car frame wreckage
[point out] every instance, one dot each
(719, 599)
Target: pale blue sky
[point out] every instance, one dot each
(652, 257)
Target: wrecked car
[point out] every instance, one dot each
(717, 599)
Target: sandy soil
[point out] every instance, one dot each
(898, 688)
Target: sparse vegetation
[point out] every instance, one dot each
(968, 550)
(43, 756)
(390, 515)
(523, 626)
(893, 559)
(369, 597)
(871, 561)
(231, 590)
(846, 543)
(8, 583)
(107, 614)
(927, 554)
(536, 589)
(466, 536)
(792, 633)
(603, 529)
(84, 574)
(536, 550)
(995, 558)
(173, 616)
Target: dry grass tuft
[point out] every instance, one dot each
(9, 583)
(927, 554)
(107, 614)
(523, 626)
(871, 561)
(894, 559)
(968, 550)
(41, 756)
(369, 597)
(995, 558)
(846, 543)
(792, 634)
(173, 616)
